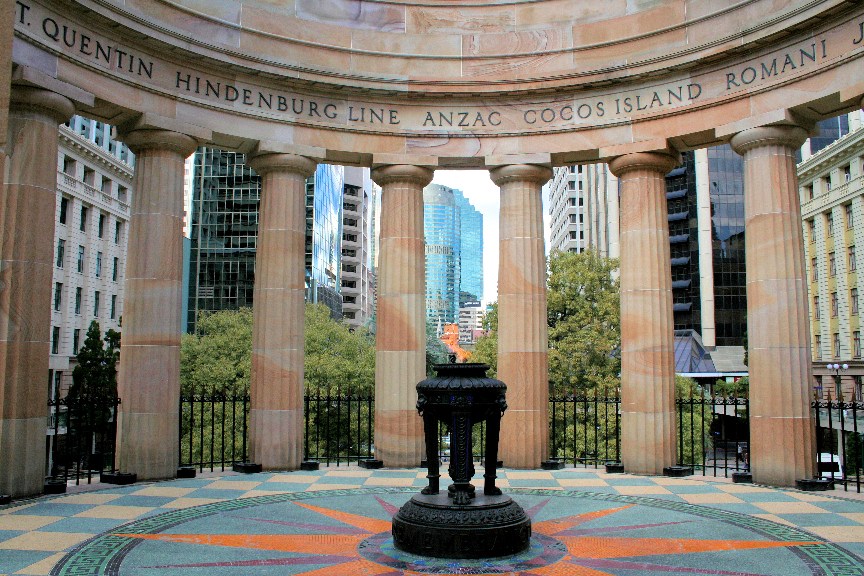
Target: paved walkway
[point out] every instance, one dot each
(337, 521)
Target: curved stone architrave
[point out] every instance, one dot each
(647, 326)
(523, 339)
(400, 355)
(276, 390)
(782, 434)
(458, 86)
(26, 267)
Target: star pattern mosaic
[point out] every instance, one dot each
(337, 521)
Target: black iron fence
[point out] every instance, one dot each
(338, 429)
(712, 434)
(82, 436)
(213, 430)
(840, 441)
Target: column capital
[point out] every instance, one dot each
(43, 101)
(266, 162)
(789, 135)
(520, 173)
(155, 139)
(661, 162)
(408, 173)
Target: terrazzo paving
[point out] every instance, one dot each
(336, 521)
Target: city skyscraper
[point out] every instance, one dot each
(442, 232)
(471, 250)
(583, 210)
(226, 194)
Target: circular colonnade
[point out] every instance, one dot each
(405, 87)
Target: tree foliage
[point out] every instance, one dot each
(338, 357)
(584, 323)
(218, 358)
(486, 347)
(92, 396)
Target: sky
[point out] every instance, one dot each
(484, 196)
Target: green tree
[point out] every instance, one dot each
(218, 358)
(436, 351)
(338, 357)
(92, 398)
(584, 323)
(486, 347)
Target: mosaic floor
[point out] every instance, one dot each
(337, 522)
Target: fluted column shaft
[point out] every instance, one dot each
(400, 356)
(149, 374)
(276, 413)
(523, 339)
(647, 326)
(782, 433)
(26, 267)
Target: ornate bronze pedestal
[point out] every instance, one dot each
(460, 523)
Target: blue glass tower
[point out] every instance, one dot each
(471, 250)
(442, 232)
(324, 237)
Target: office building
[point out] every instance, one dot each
(94, 189)
(357, 274)
(831, 183)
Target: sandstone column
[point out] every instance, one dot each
(276, 413)
(149, 374)
(400, 357)
(26, 267)
(522, 324)
(647, 326)
(782, 435)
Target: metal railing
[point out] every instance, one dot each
(213, 430)
(338, 428)
(82, 439)
(840, 442)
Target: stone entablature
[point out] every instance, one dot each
(374, 88)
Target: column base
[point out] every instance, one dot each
(814, 484)
(246, 467)
(552, 464)
(276, 438)
(147, 443)
(22, 476)
(371, 463)
(187, 472)
(118, 478)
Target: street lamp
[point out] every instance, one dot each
(836, 368)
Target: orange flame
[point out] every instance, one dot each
(450, 337)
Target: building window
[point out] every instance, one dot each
(98, 264)
(836, 344)
(850, 220)
(832, 264)
(55, 340)
(827, 181)
(829, 223)
(852, 264)
(853, 300)
(117, 228)
(847, 173)
(80, 258)
(76, 338)
(858, 382)
(116, 265)
(83, 225)
(818, 346)
(816, 307)
(61, 252)
(814, 270)
(64, 208)
(96, 304)
(58, 295)
(89, 176)
(113, 306)
(811, 225)
(856, 344)
(101, 228)
(121, 193)
(78, 300)
(834, 304)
